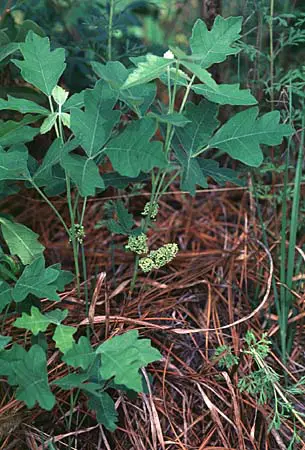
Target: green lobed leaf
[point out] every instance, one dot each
(60, 95)
(37, 322)
(21, 241)
(52, 157)
(4, 38)
(225, 94)
(81, 354)
(32, 379)
(123, 356)
(124, 223)
(118, 181)
(75, 101)
(63, 337)
(180, 78)
(45, 175)
(64, 277)
(34, 322)
(93, 126)
(149, 69)
(73, 380)
(57, 184)
(8, 49)
(197, 133)
(138, 98)
(5, 295)
(210, 47)
(37, 280)
(8, 360)
(56, 316)
(14, 133)
(243, 134)
(41, 66)
(105, 410)
(202, 74)
(65, 119)
(188, 140)
(222, 175)
(78, 381)
(176, 119)
(132, 152)
(84, 173)
(191, 175)
(48, 123)
(14, 164)
(22, 105)
(114, 72)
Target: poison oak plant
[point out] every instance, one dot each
(89, 134)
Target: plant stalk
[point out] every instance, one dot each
(271, 55)
(110, 29)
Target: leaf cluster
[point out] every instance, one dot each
(115, 363)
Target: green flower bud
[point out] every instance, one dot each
(164, 255)
(137, 244)
(79, 231)
(146, 264)
(154, 210)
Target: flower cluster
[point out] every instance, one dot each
(137, 244)
(151, 210)
(79, 231)
(159, 258)
(146, 264)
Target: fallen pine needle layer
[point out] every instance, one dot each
(217, 288)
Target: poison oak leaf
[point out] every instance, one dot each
(132, 151)
(243, 134)
(123, 356)
(21, 241)
(40, 66)
(210, 47)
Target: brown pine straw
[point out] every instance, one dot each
(100, 319)
(203, 299)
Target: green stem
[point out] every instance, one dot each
(169, 89)
(72, 233)
(271, 50)
(52, 111)
(162, 191)
(144, 226)
(84, 265)
(83, 211)
(200, 151)
(283, 317)
(157, 182)
(45, 198)
(85, 276)
(293, 231)
(295, 213)
(187, 91)
(110, 30)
